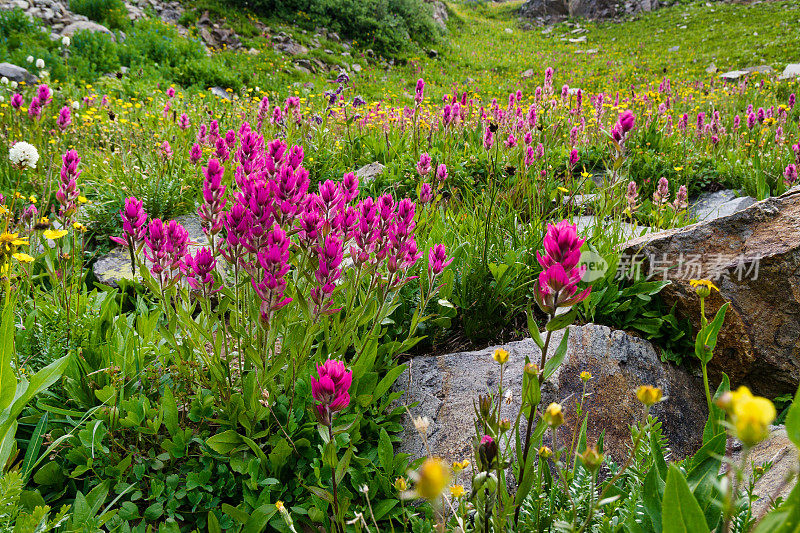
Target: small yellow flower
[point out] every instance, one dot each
(586, 376)
(279, 506)
(564, 190)
(678, 169)
(400, 484)
(32, 199)
(649, 395)
(22, 258)
(459, 466)
(432, 478)
(457, 491)
(54, 234)
(545, 452)
(703, 287)
(751, 415)
(554, 415)
(501, 356)
(82, 200)
(8, 244)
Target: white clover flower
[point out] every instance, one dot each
(76, 105)
(14, 84)
(65, 41)
(23, 154)
(4, 80)
(30, 59)
(40, 63)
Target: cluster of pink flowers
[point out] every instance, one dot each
(330, 390)
(68, 192)
(272, 212)
(558, 281)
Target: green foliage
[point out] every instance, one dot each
(111, 13)
(390, 27)
(94, 53)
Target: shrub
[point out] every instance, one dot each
(390, 27)
(94, 53)
(109, 12)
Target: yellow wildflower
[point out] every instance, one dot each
(649, 395)
(501, 356)
(54, 234)
(22, 258)
(457, 491)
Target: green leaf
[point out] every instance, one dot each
(386, 452)
(8, 381)
(154, 512)
(680, 512)
(533, 329)
(170, 409)
(343, 464)
(235, 513)
(387, 381)
(713, 427)
(554, 362)
(34, 445)
(707, 337)
(702, 478)
(224, 443)
(259, 518)
(658, 456)
(213, 523)
(562, 321)
(793, 420)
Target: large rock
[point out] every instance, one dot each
(753, 256)
(779, 480)
(85, 25)
(594, 9)
(446, 385)
(791, 71)
(15, 73)
(713, 205)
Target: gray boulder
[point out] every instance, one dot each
(85, 25)
(712, 205)
(368, 173)
(791, 71)
(18, 74)
(446, 386)
(219, 92)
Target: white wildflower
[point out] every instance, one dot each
(4, 80)
(76, 105)
(40, 63)
(23, 154)
(65, 41)
(14, 85)
(422, 424)
(30, 59)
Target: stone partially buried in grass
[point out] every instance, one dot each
(446, 385)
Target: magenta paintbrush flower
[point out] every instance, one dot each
(438, 260)
(562, 245)
(330, 389)
(558, 281)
